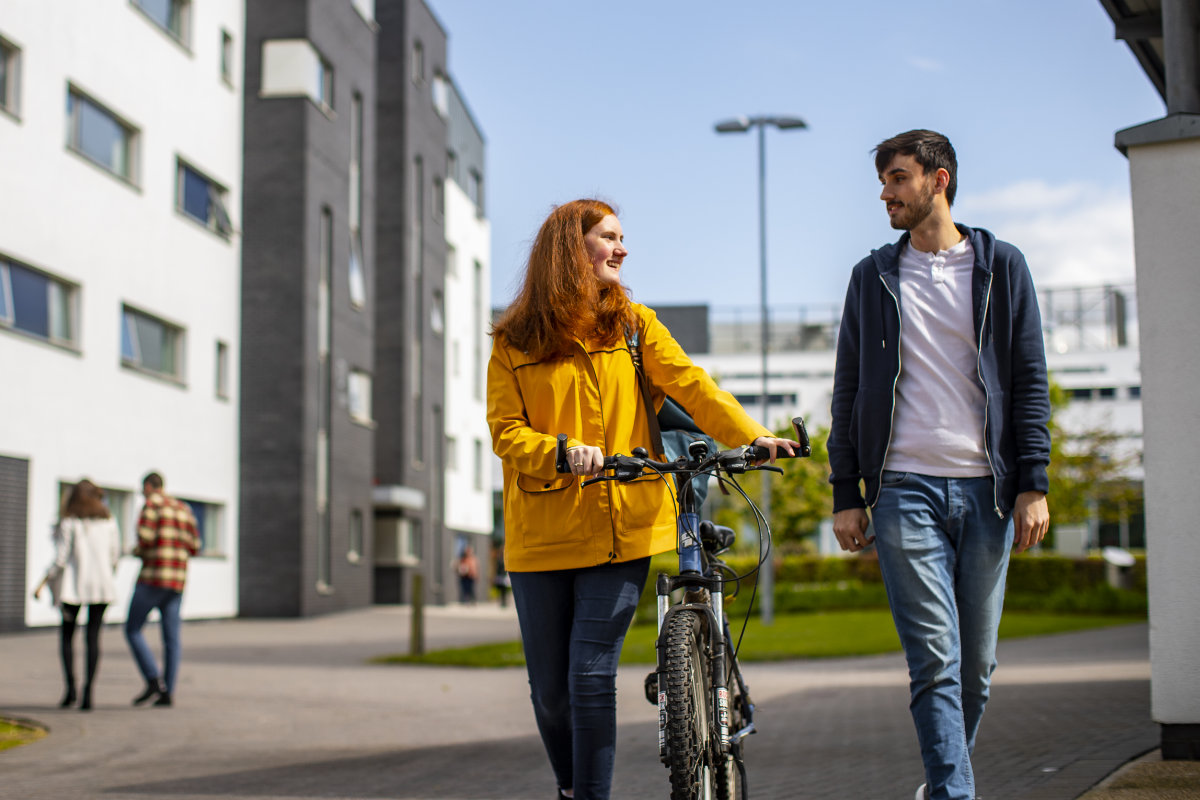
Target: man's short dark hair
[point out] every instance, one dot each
(930, 149)
(154, 479)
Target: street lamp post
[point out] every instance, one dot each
(742, 125)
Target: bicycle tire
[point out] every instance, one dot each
(689, 709)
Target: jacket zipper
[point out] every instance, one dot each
(987, 299)
(895, 380)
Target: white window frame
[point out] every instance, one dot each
(210, 525)
(218, 214)
(358, 395)
(176, 341)
(222, 370)
(184, 9)
(354, 550)
(228, 53)
(62, 306)
(75, 99)
(10, 79)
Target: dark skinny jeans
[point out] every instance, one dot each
(573, 623)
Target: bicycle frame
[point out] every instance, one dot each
(695, 573)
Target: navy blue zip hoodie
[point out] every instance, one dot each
(1011, 363)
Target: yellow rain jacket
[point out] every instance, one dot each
(551, 521)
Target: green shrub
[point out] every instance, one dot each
(806, 583)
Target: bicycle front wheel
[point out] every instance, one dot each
(689, 712)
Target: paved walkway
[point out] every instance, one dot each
(273, 709)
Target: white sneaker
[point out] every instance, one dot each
(922, 793)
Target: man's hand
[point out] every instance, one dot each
(1031, 520)
(850, 528)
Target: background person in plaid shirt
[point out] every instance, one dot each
(166, 539)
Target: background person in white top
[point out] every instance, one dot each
(86, 549)
(940, 413)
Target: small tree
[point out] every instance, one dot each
(1088, 472)
(800, 498)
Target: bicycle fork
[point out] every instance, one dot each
(713, 613)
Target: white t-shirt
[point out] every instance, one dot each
(937, 426)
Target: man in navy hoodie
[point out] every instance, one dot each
(940, 413)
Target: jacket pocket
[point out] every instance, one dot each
(546, 513)
(532, 485)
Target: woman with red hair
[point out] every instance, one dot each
(86, 550)
(578, 557)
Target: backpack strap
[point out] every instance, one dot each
(635, 353)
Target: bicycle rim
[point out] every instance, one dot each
(689, 715)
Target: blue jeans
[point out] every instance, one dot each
(147, 597)
(573, 622)
(944, 551)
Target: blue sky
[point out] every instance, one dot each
(618, 100)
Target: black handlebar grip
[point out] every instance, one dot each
(560, 454)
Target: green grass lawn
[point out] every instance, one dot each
(15, 734)
(827, 634)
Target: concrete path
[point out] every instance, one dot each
(274, 709)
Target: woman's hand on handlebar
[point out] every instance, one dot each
(584, 460)
(772, 444)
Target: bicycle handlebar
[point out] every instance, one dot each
(737, 460)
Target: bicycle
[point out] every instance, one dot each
(704, 706)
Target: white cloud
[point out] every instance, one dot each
(1073, 234)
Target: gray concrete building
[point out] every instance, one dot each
(410, 315)
(309, 302)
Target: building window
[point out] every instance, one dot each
(359, 396)
(227, 57)
(170, 15)
(324, 83)
(358, 274)
(437, 313)
(418, 62)
(355, 550)
(356, 150)
(451, 453)
(120, 503)
(37, 303)
(439, 199)
(1135, 392)
(478, 368)
(151, 344)
(202, 199)
(475, 190)
(441, 96)
(452, 167)
(99, 135)
(10, 77)
(1107, 393)
(222, 371)
(477, 466)
(209, 525)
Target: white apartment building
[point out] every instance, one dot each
(120, 258)
(1091, 336)
(468, 449)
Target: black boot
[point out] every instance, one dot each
(68, 698)
(164, 698)
(153, 688)
(85, 704)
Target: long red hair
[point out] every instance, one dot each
(561, 299)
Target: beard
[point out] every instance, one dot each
(915, 213)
